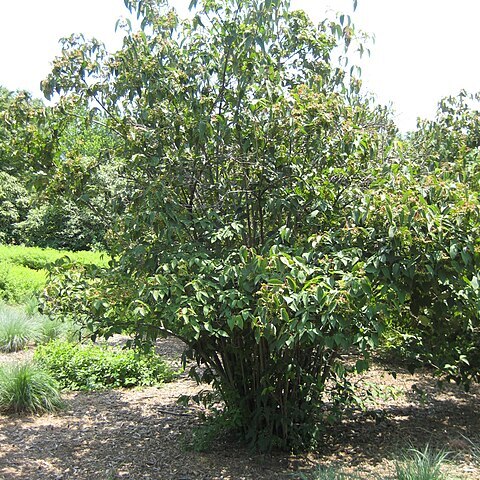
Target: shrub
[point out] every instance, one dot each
(214, 243)
(62, 224)
(92, 367)
(16, 329)
(27, 388)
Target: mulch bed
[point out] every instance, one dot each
(143, 434)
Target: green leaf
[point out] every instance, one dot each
(361, 366)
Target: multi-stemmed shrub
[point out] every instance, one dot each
(274, 223)
(258, 149)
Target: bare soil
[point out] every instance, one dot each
(142, 434)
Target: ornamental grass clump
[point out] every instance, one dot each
(16, 329)
(26, 388)
(422, 465)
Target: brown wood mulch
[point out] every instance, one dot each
(142, 434)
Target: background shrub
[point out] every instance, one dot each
(14, 203)
(27, 388)
(92, 367)
(62, 224)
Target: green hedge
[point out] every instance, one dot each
(93, 367)
(23, 271)
(39, 258)
(18, 282)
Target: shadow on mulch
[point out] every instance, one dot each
(141, 435)
(102, 436)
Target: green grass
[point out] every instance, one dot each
(421, 465)
(413, 465)
(26, 388)
(474, 449)
(21, 325)
(17, 330)
(95, 367)
(49, 330)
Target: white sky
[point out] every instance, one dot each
(424, 49)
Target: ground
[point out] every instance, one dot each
(144, 434)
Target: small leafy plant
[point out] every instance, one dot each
(93, 367)
(26, 388)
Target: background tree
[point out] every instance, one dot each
(14, 204)
(43, 149)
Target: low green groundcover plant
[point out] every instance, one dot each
(92, 367)
(23, 270)
(16, 329)
(27, 388)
